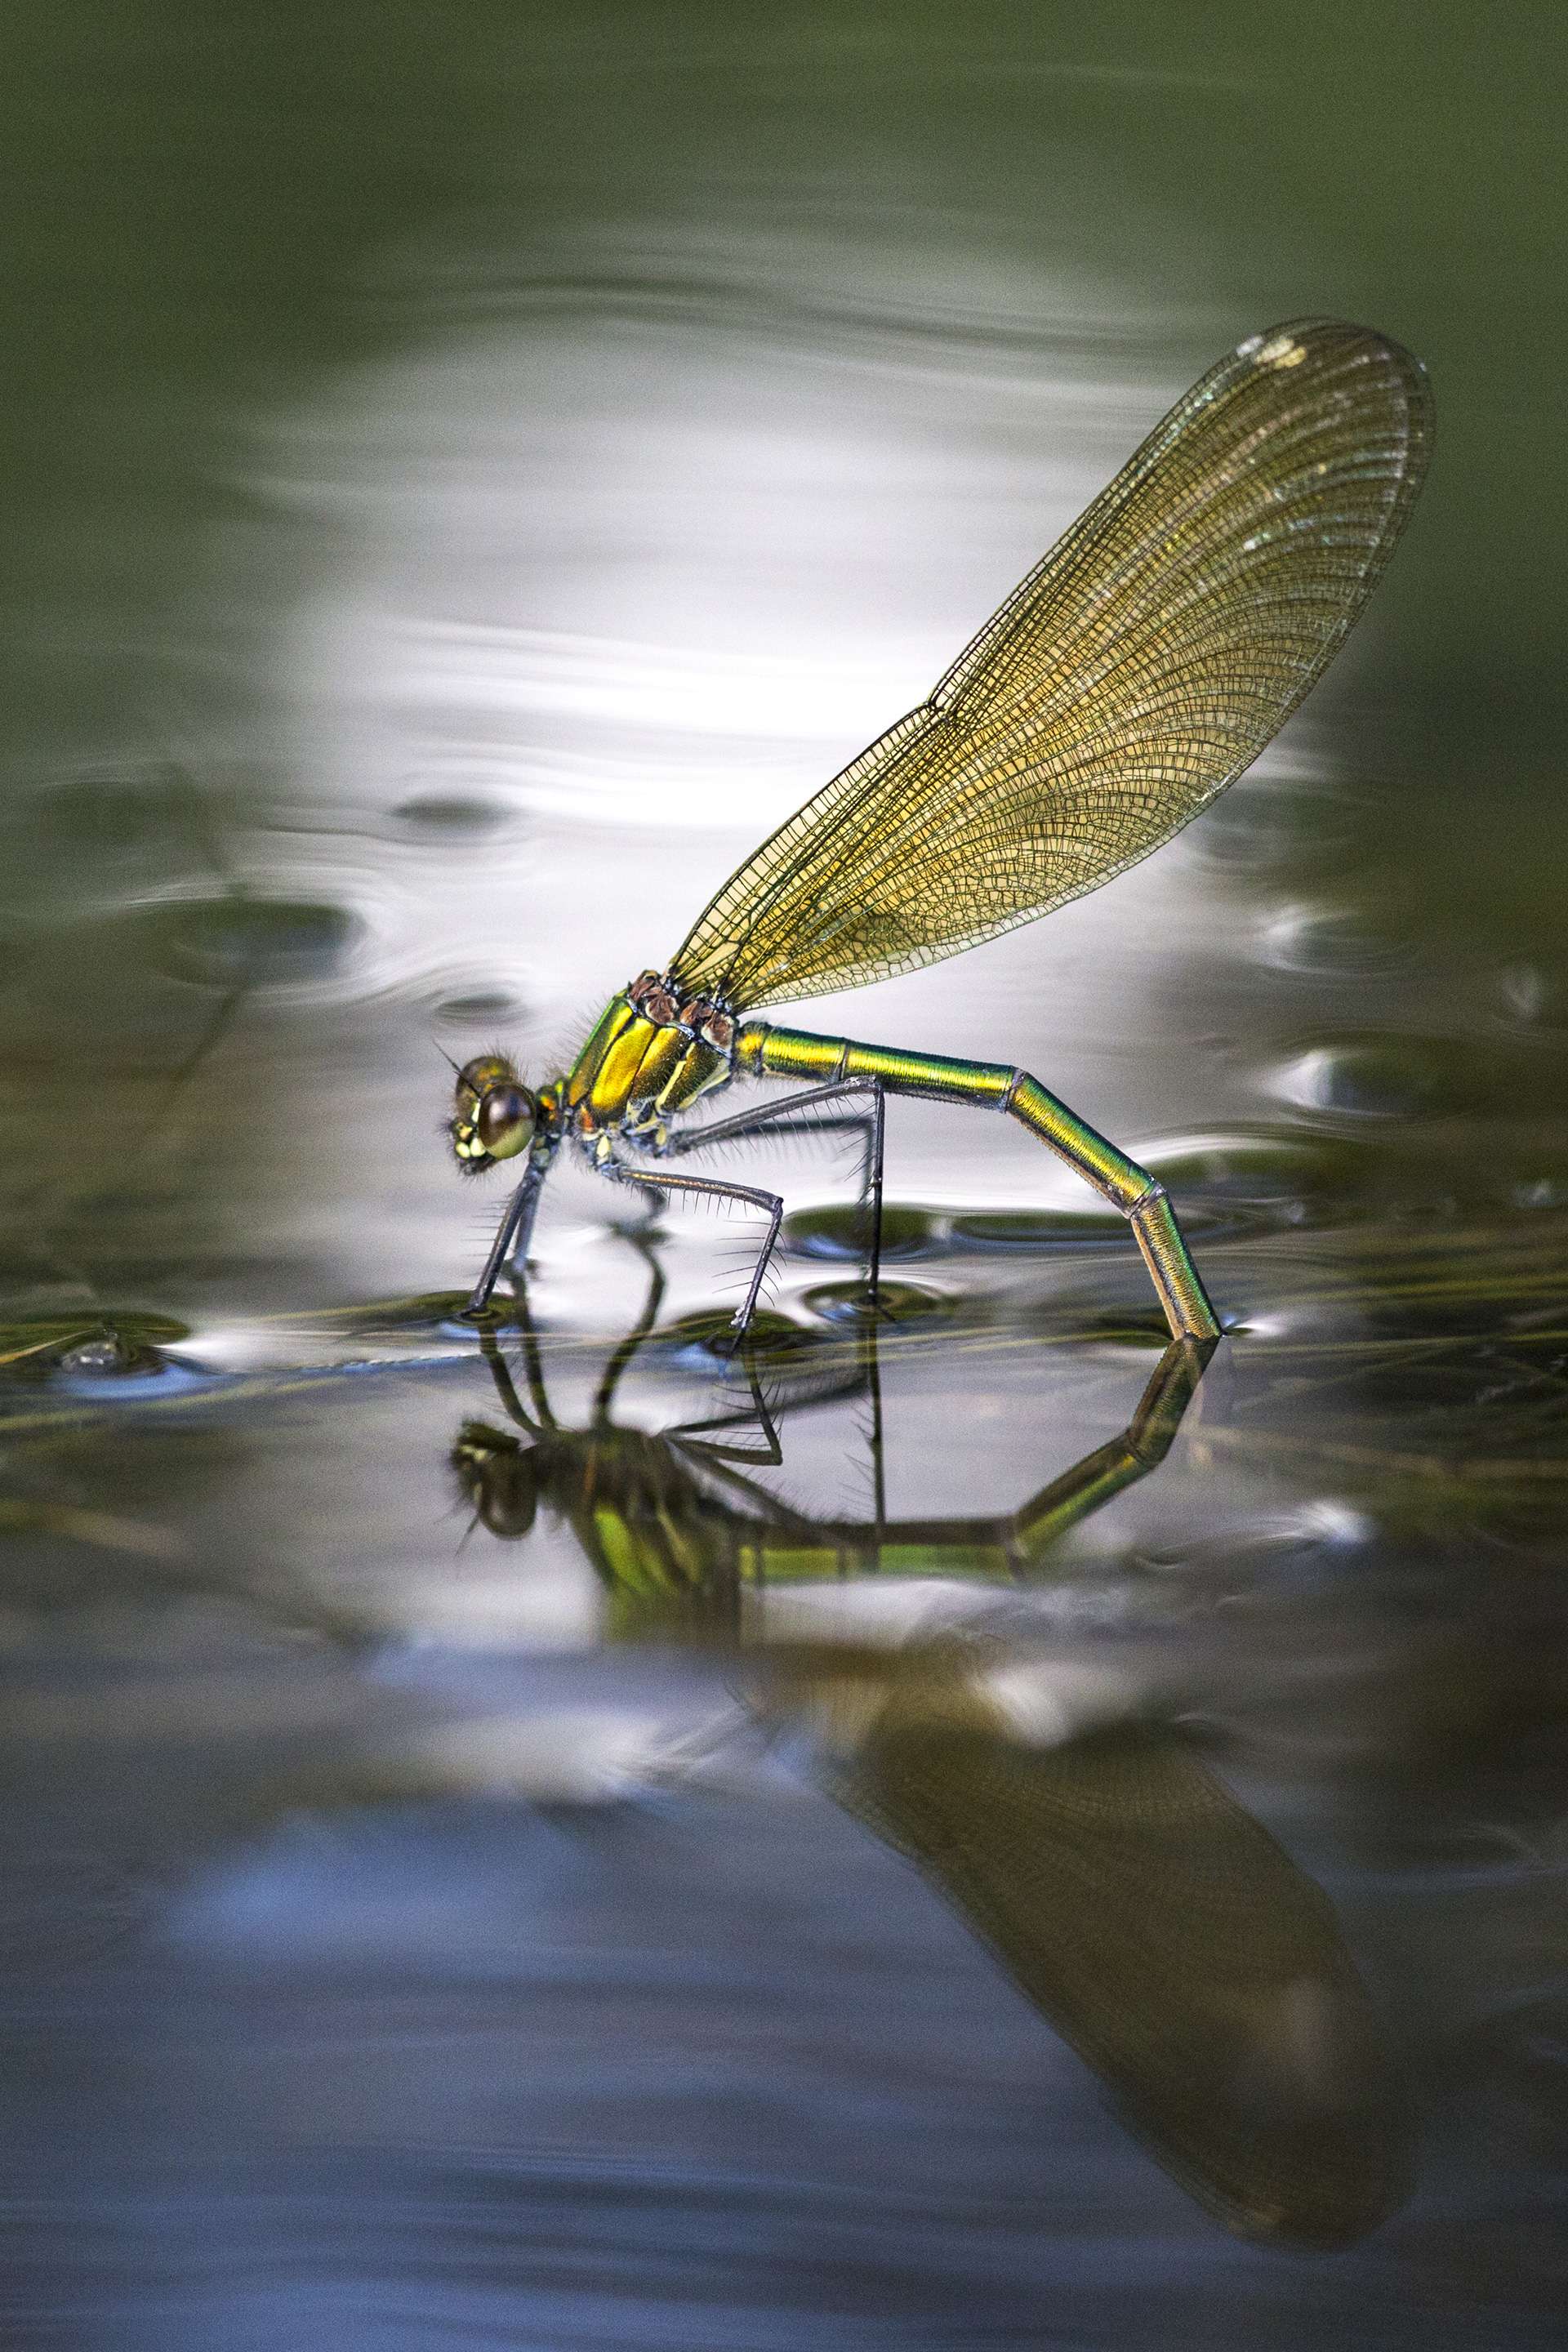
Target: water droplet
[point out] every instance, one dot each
(112, 1365)
(91, 1345)
(109, 1354)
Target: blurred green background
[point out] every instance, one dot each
(209, 213)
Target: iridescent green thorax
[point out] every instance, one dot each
(652, 1052)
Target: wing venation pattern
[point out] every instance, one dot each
(1139, 668)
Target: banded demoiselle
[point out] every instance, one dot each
(1139, 668)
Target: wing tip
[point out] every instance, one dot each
(1328, 339)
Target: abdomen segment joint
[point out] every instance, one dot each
(995, 1086)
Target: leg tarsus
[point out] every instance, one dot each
(512, 1236)
(715, 1190)
(743, 1319)
(752, 1122)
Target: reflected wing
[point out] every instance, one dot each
(1138, 670)
(1178, 1950)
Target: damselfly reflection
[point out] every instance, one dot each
(1143, 1912)
(675, 1520)
(1137, 671)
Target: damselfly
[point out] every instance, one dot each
(1139, 670)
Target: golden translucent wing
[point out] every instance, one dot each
(1137, 671)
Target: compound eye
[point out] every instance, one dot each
(505, 1122)
(477, 1078)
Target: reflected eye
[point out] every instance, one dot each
(505, 1121)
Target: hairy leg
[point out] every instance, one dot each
(758, 1118)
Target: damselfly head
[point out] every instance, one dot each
(499, 1478)
(495, 1115)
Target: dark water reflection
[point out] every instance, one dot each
(506, 1893)
(969, 1840)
